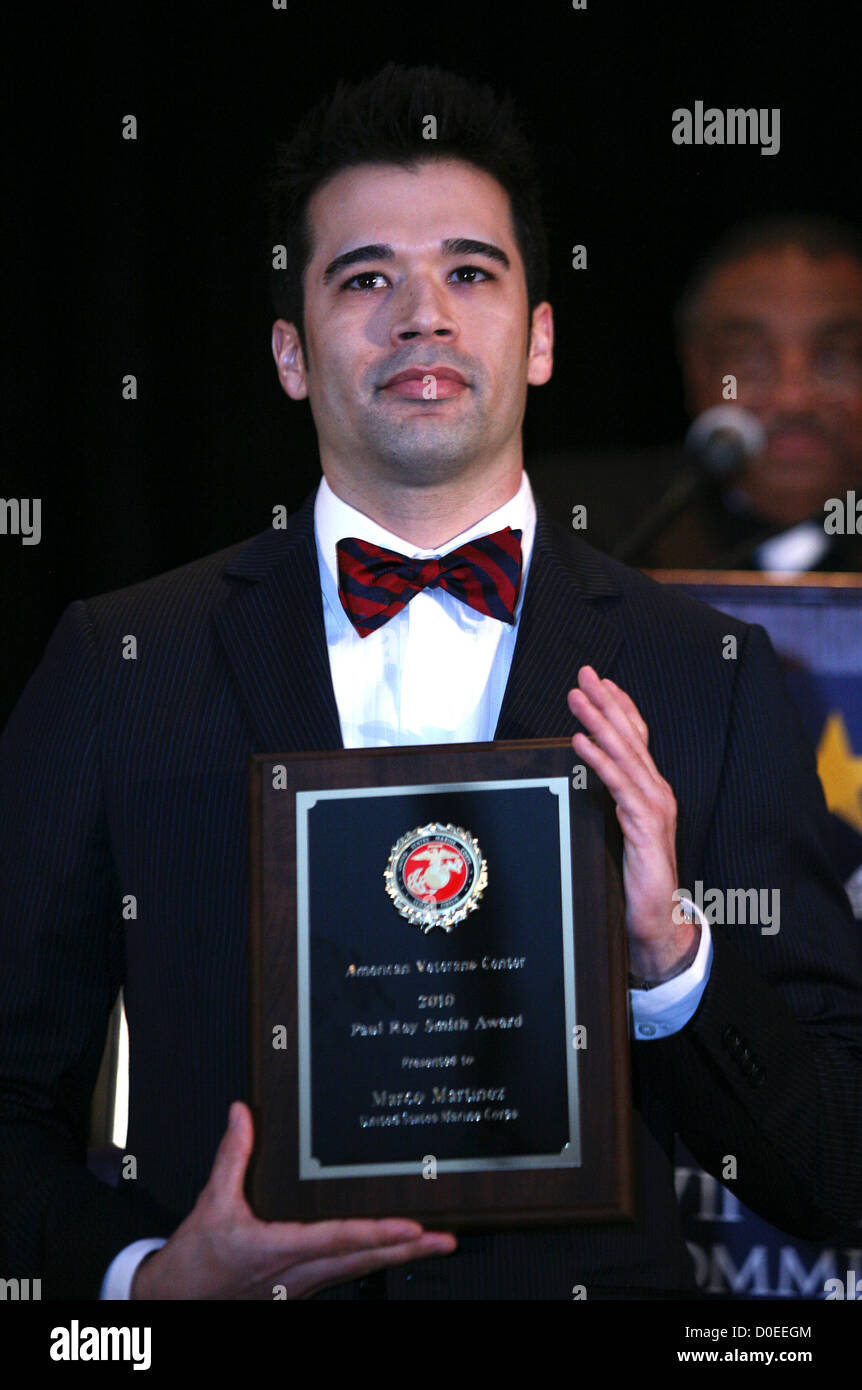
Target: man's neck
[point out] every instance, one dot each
(428, 517)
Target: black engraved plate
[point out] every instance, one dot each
(384, 1006)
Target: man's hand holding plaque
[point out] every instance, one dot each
(222, 1251)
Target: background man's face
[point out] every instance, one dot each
(789, 328)
(422, 304)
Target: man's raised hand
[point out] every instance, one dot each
(616, 747)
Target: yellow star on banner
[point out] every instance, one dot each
(840, 771)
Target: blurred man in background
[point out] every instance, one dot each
(771, 322)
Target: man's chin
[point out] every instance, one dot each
(426, 468)
(801, 494)
(428, 452)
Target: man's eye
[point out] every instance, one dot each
(842, 360)
(468, 275)
(363, 275)
(831, 359)
(471, 271)
(745, 357)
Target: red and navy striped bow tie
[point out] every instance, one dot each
(375, 584)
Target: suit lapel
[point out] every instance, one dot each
(562, 627)
(274, 638)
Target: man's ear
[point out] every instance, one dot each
(540, 356)
(289, 360)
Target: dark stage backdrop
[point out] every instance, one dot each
(150, 257)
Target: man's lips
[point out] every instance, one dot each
(413, 383)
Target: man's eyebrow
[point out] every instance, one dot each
(378, 251)
(375, 252)
(467, 246)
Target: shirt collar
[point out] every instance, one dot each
(335, 519)
(797, 549)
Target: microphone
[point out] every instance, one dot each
(723, 438)
(719, 442)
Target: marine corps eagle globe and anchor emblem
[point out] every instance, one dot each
(436, 875)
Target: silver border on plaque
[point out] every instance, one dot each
(311, 1167)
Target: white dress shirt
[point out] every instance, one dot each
(435, 673)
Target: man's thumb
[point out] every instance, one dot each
(229, 1165)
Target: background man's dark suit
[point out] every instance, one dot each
(619, 489)
(129, 777)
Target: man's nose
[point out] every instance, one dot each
(795, 387)
(422, 310)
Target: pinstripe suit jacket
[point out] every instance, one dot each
(123, 776)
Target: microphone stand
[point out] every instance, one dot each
(684, 487)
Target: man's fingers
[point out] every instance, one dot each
(603, 764)
(225, 1183)
(320, 1274)
(596, 696)
(630, 758)
(631, 709)
(334, 1239)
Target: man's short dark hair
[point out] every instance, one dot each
(819, 237)
(381, 121)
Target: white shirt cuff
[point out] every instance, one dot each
(667, 1008)
(117, 1283)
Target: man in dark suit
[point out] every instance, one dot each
(414, 322)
